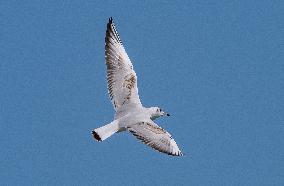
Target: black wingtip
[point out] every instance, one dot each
(96, 136)
(176, 154)
(110, 20)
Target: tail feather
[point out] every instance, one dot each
(96, 136)
(105, 131)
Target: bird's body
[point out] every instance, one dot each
(130, 115)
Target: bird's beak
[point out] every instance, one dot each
(165, 114)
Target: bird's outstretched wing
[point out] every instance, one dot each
(156, 137)
(121, 78)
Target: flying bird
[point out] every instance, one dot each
(130, 115)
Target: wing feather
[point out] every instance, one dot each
(121, 78)
(156, 137)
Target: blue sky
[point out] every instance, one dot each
(216, 67)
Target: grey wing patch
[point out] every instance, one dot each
(154, 128)
(156, 137)
(129, 84)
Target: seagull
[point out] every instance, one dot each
(130, 115)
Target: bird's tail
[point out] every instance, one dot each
(105, 131)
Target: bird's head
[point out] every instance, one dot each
(157, 112)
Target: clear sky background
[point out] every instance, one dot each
(216, 67)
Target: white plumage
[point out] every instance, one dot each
(130, 114)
